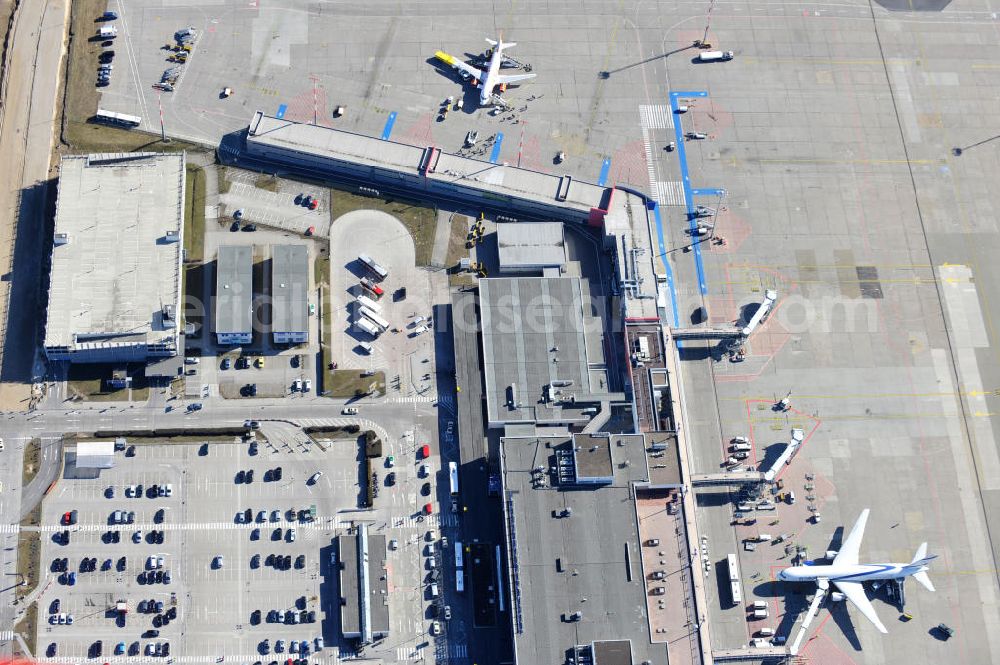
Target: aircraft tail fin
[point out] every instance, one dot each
(925, 581)
(921, 559)
(491, 42)
(501, 44)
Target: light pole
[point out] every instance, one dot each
(708, 21)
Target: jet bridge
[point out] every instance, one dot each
(733, 332)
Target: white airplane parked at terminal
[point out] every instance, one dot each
(848, 576)
(487, 80)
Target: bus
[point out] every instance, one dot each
(453, 478)
(459, 581)
(453, 482)
(458, 555)
(374, 318)
(118, 119)
(735, 588)
(373, 267)
(365, 301)
(369, 327)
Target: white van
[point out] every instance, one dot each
(434, 590)
(759, 605)
(759, 614)
(766, 632)
(736, 447)
(366, 347)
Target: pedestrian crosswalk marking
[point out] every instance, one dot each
(669, 193)
(656, 116)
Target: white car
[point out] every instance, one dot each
(192, 360)
(435, 627)
(307, 385)
(350, 411)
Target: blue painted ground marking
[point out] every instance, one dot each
(605, 168)
(389, 122)
(495, 155)
(666, 264)
(686, 182)
(281, 111)
(708, 192)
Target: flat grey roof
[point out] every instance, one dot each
(234, 289)
(368, 150)
(289, 288)
(534, 335)
(350, 611)
(593, 456)
(530, 244)
(116, 270)
(597, 548)
(379, 584)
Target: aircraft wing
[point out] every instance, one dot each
(848, 554)
(458, 64)
(513, 78)
(855, 593)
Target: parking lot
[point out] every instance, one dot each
(223, 569)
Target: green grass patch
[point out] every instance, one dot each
(86, 383)
(224, 182)
(31, 462)
(194, 215)
(321, 270)
(345, 383)
(419, 220)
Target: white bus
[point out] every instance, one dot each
(367, 326)
(458, 555)
(735, 589)
(119, 119)
(459, 581)
(365, 301)
(374, 318)
(453, 478)
(373, 267)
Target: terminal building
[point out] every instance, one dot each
(364, 600)
(290, 294)
(234, 295)
(531, 248)
(543, 357)
(115, 283)
(583, 580)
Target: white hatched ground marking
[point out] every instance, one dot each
(650, 168)
(670, 193)
(458, 651)
(656, 116)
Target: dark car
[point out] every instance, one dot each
(106, 57)
(172, 613)
(54, 606)
(250, 227)
(51, 650)
(276, 474)
(159, 577)
(152, 632)
(255, 534)
(390, 479)
(235, 226)
(255, 617)
(312, 616)
(277, 534)
(240, 475)
(158, 516)
(425, 489)
(122, 561)
(255, 561)
(249, 476)
(288, 561)
(116, 536)
(248, 515)
(142, 606)
(96, 649)
(300, 561)
(226, 363)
